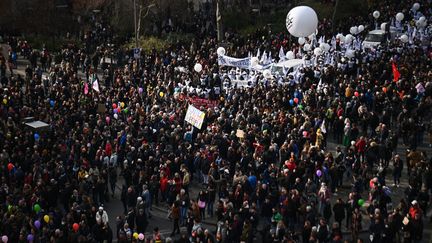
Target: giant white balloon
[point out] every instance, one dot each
(354, 30)
(221, 51)
(376, 14)
(301, 40)
(307, 47)
(360, 28)
(198, 67)
(400, 16)
(301, 21)
(416, 6)
(404, 38)
(289, 55)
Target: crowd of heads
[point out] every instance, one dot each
(263, 163)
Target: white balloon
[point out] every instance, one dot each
(301, 21)
(318, 51)
(289, 55)
(307, 47)
(423, 24)
(349, 38)
(354, 30)
(301, 40)
(400, 16)
(404, 38)
(360, 28)
(198, 67)
(221, 51)
(376, 14)
(267, 73)
(349, 53)
(254, 61)
(383, 26)
(115, 116)
(326, 47)
(416, 6)
(422, 19)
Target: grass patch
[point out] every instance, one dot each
(148, 43)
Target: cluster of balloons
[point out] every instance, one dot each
(357, 29)
(301, 21)
(137, 236)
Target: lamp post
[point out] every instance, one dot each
(135, 24)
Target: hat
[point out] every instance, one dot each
(414, 202)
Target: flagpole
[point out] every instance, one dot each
(219, 23)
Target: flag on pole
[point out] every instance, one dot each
(263, 57)
(396, 74)
(95, 85)
(281, 54)
(86, 88)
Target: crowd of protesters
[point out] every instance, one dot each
(262, 153)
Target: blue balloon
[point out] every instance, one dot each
(291, 101)
(36, 136)
(52, 102)
(115, 111)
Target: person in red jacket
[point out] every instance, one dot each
(361, 147)
(415, 209)
(163, 185)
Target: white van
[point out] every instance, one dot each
(375, 38)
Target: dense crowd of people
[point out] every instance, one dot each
(262, 154)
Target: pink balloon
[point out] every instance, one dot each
(107, 119)
(141, 236)
(5, 239)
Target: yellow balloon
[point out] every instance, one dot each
(5, 101)
(135, 235)
(161, 94)
(46, 218)
(122, 105)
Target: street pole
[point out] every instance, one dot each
(135, 24)
(219, 23)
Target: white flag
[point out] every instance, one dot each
(258, 53)
(263, 57)
(281, 54)
(95, 85)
